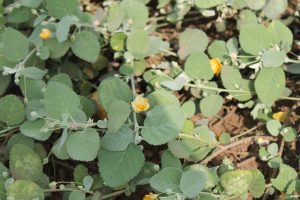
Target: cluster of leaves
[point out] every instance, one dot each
(53, 115)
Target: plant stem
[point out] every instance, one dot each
(219, 90)
(192, 137)
(117, 193)
(136, 125)
(244, 133)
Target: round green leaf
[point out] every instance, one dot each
(218, 49)
(258, 185)
(117, 41)
(273, 149)
(162, 124)
(289, 134)
(34, 129)
(270, 84)
(274, 8)
(24, 163)
(86, 46)
(12, 110)
(169, 160)
(188, 109)
(89, 142)
(204, 4)
(197, 66)
(138, 43)
(15, 45)
(273, 58)
(256, 4)
(236, 182)
(60, 99)
(77, 195)
(115, 17)
(117, 114)
(119, 167)
(118, 141)
(211, 105)
(274, 127)
(192, 183)
(112, 89)
(192, 41)
(167, 180)
(24, 190)
(59, 9)
(254, 38)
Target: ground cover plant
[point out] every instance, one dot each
(140, 99)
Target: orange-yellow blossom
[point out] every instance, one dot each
(45, 34)
(140, 104)
(280, 116)
(151, 196)
(216, 66)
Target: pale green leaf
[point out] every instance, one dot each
(254, 38)
(59, 9)
(86, 46)
(15, 45)
(257, 186)
(162, 124)
(138, 43)
(89, 142)
(33, 73)
(12, 110)
(162, 97)
(270, 84)
(273, 58)
(24, 190)
(119, 167)
(62, 78)
(256, 4)
(63, 27)
(169, 160)
(274, 127)
(77, 195)
(283, 180)
(197, 66)
(24, 163)
(274, 8)
(218, 49)
(34, 129)
(204, 4)
(112, 89)
(115, 17)
(192, 183)
(188, 109)
(211, 105)
(57, 50)
(117, 114)
(118, 141)
(192, 41)
(167, 180)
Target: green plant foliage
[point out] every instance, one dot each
(24, 163)
(274, 127)
(115, 17)
(167, 180)
(169, 160)
(15, 45)
(86, 46)
(59, 9)
(77, 195)
(270, 84)
(117, 41)
(284, 180)
(119, 140)
(208, 3)
(112, 165)
(254, 38)
(25, 190)
(162, 124)
(79, 173)
(273, 58)
(192, 41)
(34, 129)
(118, 112)
(197, 66)
(12, 110)
(211, 105)
(113, 89)
(88, 140)
(274, 8)
(192, 183)
(64, 26)
(138, 43)
(188, 108)
(60, 99)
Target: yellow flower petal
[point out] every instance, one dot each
(280, 116)
(140, 104)
(45, 34)
(216, 66)
(151, 196)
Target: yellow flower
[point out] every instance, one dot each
(140, 104)
(280, 116)
(45, 34)
(151, 196)
(216, 65)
